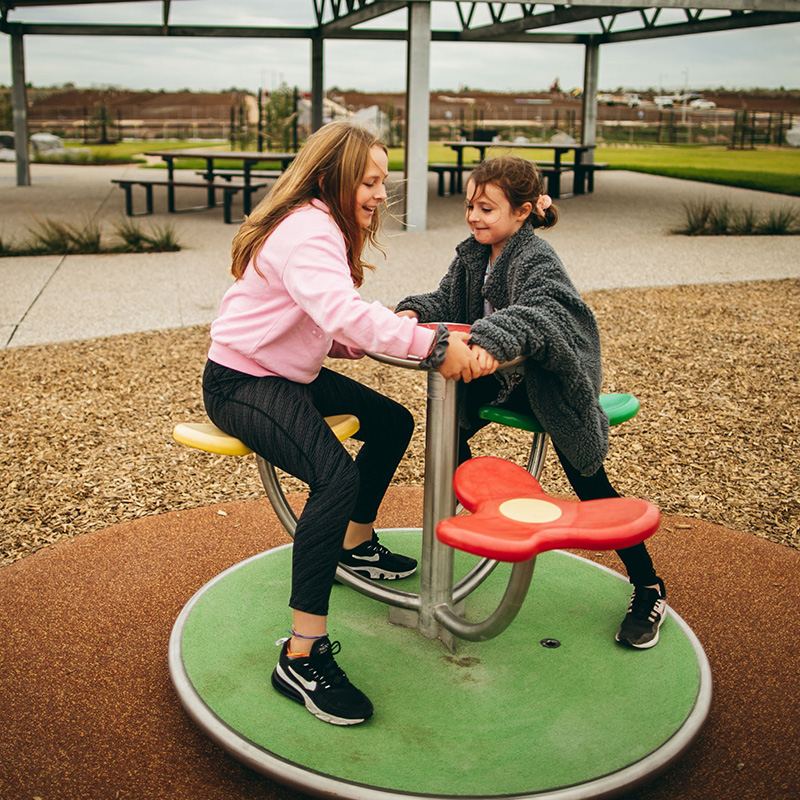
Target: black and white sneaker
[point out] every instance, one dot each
(320, 684)
(645, 617)
(372, 560)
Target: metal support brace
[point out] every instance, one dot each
(317, 85)
(417, 115)
(589, 101)
(20, 106)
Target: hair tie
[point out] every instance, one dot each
(543, 203)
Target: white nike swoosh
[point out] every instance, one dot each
(373, 557)
(311, 686)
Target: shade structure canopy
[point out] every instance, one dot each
(587, 23)
(510, 20)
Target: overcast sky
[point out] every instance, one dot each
(766, 57)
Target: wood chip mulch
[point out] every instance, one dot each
(86, 426)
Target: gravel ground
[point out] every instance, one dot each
(86, 425)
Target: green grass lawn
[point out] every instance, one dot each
(769, 170)
(130, 152)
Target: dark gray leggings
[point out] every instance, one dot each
(284, 423)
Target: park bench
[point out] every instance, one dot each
(228, 189)
(229, 174)
(449, 170)
(589, 170)
(551, 173)
(583, 182)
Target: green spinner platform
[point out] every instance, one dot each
(552, 709)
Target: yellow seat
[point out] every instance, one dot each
(207, 436)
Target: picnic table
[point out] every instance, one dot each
(582, 168)
(211, 172)
(213, 179)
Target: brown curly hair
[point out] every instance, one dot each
(520, 181)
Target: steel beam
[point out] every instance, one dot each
(417, 115)
(19, 101)
(591, 62)
(317, 82)
(364, 14)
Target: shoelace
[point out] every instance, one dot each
(378, 547)
(643, 603)
(325, 670)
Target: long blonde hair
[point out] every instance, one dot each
(329, 167)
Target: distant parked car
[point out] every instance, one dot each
(7, 152)
(663, 101)
(702, 104)
(45, 142)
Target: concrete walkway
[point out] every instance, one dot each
(617, 237)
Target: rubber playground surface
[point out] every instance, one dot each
(89, 709)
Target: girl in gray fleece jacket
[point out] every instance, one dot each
(512, 289)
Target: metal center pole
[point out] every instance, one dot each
(441, 447)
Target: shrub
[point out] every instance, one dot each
(704, 218)
(779, 221)
(50, 237)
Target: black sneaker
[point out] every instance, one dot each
(372, 560)
(320, 684)
(645, 616)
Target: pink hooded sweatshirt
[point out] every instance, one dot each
(305, 307)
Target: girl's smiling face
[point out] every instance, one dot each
(371, 191)
(490, 216)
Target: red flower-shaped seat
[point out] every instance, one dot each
(513, 519)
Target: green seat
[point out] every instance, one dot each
(618, 407)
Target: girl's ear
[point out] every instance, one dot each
(524, 211)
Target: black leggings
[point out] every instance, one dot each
(283, 422)
(483, 391)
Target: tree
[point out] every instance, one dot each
(279, 114)
(6, 112)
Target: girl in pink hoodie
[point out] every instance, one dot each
(297, 260)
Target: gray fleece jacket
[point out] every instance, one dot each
(539, 315)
